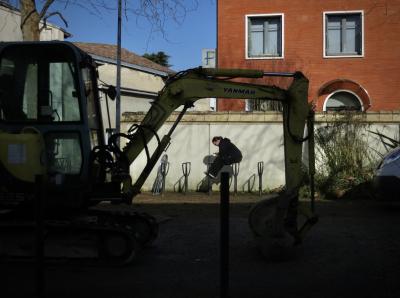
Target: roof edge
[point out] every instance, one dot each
(130, 65)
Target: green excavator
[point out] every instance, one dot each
(52, 144)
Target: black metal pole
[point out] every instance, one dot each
(209, 184)
(311, 157)
(186, 171)
(118, 83)
(224, 234)
(235, 168)
(163, 183)
(164, 172)
(260, 168)
(39, 239)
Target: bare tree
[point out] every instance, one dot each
(31, 17)
(29, 20)
(156, 12)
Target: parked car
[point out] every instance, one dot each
(387, 176)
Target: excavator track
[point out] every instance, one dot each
(102, 237)
(142, 226)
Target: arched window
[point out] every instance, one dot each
(343, 100)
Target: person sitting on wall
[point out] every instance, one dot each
(228, 154)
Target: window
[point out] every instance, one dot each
(263, 105)
(343, 100)
(38, 87)
(64, 153)
(343, 34)
(264, 36)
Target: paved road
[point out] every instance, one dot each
(354, 251)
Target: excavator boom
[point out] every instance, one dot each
(185, 88)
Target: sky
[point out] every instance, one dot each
(183, 42)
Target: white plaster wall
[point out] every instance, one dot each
(192, 143)
(202, 104)
(143, 81)
(10, 30)
(9, 25)
(130, 78)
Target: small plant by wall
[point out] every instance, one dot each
(345, 161)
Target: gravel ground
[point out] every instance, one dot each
(354, 251)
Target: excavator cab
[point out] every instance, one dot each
(49, 120)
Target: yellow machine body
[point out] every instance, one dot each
(22, 155)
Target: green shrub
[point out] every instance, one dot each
(343, 157)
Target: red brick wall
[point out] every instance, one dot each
(378, 72)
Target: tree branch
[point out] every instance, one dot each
(50, 15)
(27, 17)
(45, 7)
(157, 12)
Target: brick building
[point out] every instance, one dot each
(348, 49)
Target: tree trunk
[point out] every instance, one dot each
(29, 20)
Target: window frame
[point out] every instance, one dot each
(324, 33)
(246, 21)
(342, 90)
(42, 63)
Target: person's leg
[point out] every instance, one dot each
(232, 160)
(216, 166)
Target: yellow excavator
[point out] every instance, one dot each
(51, 127)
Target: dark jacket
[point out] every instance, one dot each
(228, 152)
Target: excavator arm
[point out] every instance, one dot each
(274, 220)
(186, 87)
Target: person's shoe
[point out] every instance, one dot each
(210, 175)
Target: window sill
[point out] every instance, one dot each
(344, 56)
(264, 57)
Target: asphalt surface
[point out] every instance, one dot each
(354, 251)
